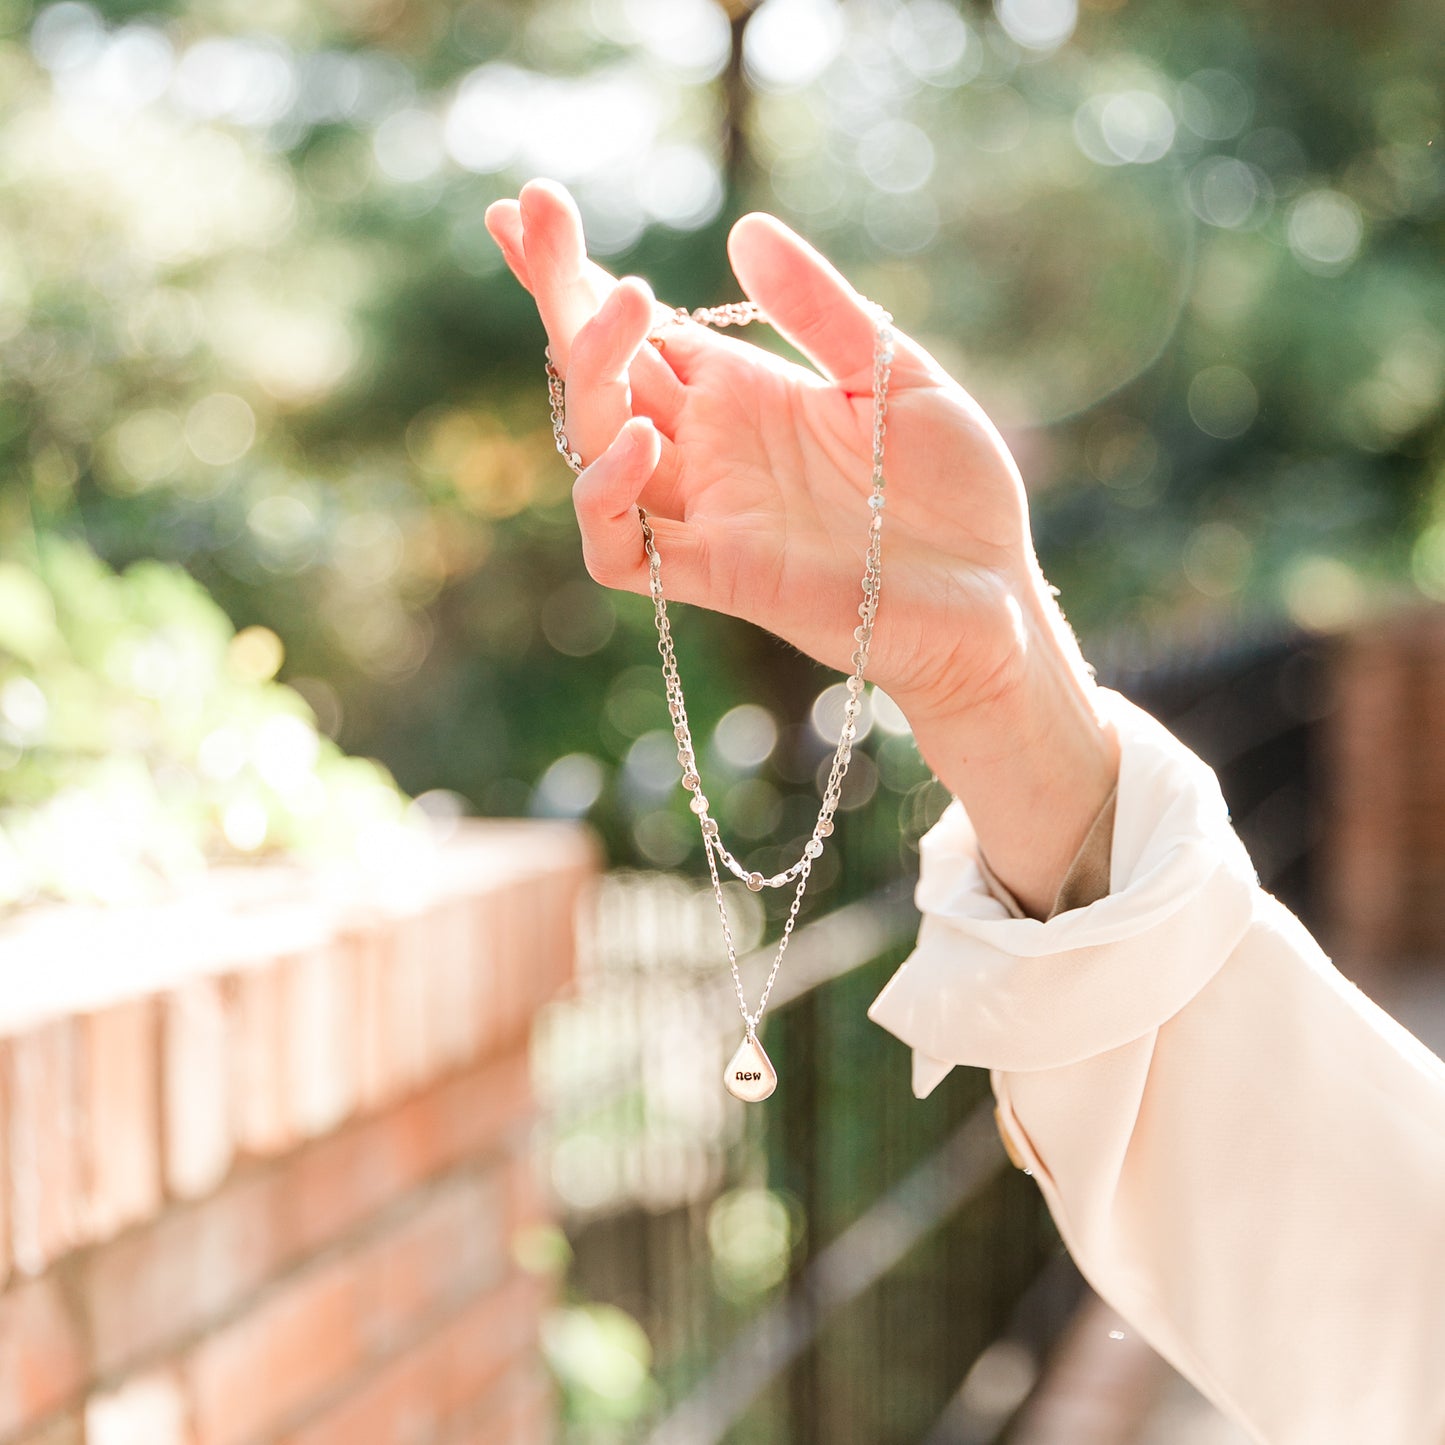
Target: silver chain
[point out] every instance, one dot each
(741, 314)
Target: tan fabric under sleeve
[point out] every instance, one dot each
(1087, 879)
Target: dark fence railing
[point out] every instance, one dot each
(920, 1283)
(1252, 705)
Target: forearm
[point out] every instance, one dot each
(1032, 765)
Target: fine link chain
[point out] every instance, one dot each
(741, 314)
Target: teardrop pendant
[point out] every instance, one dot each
(750, 1075)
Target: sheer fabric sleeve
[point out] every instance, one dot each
(1244, 1155)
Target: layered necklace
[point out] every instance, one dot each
(750, 1074)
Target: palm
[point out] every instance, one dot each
(759, 500)
(775, 471)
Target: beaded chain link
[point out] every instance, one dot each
(715, 850)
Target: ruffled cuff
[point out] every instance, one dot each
(997, 991)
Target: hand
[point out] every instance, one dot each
(755, 474)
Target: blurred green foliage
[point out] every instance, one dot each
(250, 323)
(141, 737)
(601, 1360)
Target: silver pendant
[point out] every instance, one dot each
(750, 1075)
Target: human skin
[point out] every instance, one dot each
(755, 474)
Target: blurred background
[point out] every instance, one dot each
(286, 545)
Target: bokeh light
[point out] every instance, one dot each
(1038, 24)
(1215, 104)
(790, 43)
(1126, 127)
(750, 1232)
(1325, 231)
(1217, 558)
(219, 429)
(569, 787)
(746, 736)
(1228, 193)
(1324, 594)
(828, 714)
(1223, 401)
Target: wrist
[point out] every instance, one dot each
(1031, 759)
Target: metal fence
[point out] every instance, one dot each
(848, 1264)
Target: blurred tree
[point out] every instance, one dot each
(250, 322)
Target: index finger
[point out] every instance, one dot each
(657, 392)
(566, 292)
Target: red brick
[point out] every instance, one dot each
(151, 1287)
(198, 1262)
(473, 1115)
(482, 1114)
(390, 1406)
(352, 1174)
(433, 1260)
(521, 1410)
(557, 961)
(486, 1340)
(260, 1106)
(491, 1362)
(378, 1078)
(407, 1399)
(5, 1178)
(546, 921)
(486, 980)
(42, 1355)
(532, 927)
(147, 1410)
(105, 1116)
(321, 1064)
(502, 926)
(45, 1184)
(120, 1108)
(196, 1084)
(527, 1204)
(336, 1183)
(299, 1342)
(452, 1004)
(1384, 847)
(332, 1322)
(404, 989)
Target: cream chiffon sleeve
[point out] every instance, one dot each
(1244, 1155)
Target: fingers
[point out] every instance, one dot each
(504, 225)
(605, 497)
(598, 396)
(556, 256)
(809, 301)
(569, 288)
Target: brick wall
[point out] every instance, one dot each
(1384, 847)
(264, 1152)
